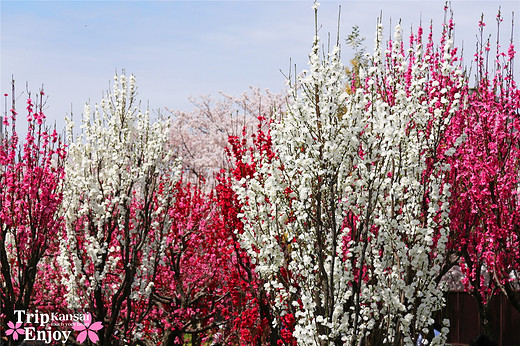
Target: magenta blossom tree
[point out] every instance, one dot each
(31, 174)
(485, 207)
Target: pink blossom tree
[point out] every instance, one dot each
(485, 209)
(31, 174)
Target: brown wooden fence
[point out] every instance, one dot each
(462, 311)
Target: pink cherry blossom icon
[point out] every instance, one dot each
(87, 328)
(14, 329)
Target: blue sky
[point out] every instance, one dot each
(179, 49)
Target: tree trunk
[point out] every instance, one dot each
(485, 321)
(172, 337)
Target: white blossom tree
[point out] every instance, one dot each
(348, 221)
(118, 189)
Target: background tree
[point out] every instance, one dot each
(359, 61)
(201, 136)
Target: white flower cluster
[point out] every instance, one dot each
(351, 207)
(115, 215)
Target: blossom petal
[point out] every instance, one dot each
(9, 331)
(78, 326)
(96, 326)
(82, 336)
(11, 325)
(88, 319)
(92, 336)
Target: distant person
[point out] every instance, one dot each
(482, 340)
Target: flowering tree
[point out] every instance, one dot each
(244, 152)
(201, 288)
(346, 216)
(31, 175)
(252, 319)
(118, 190)
(190, 288)
(200, 136)
(485, 209)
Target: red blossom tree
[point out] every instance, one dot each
(190, 289)
(206, 286)
(244, 152)
(201, 138)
